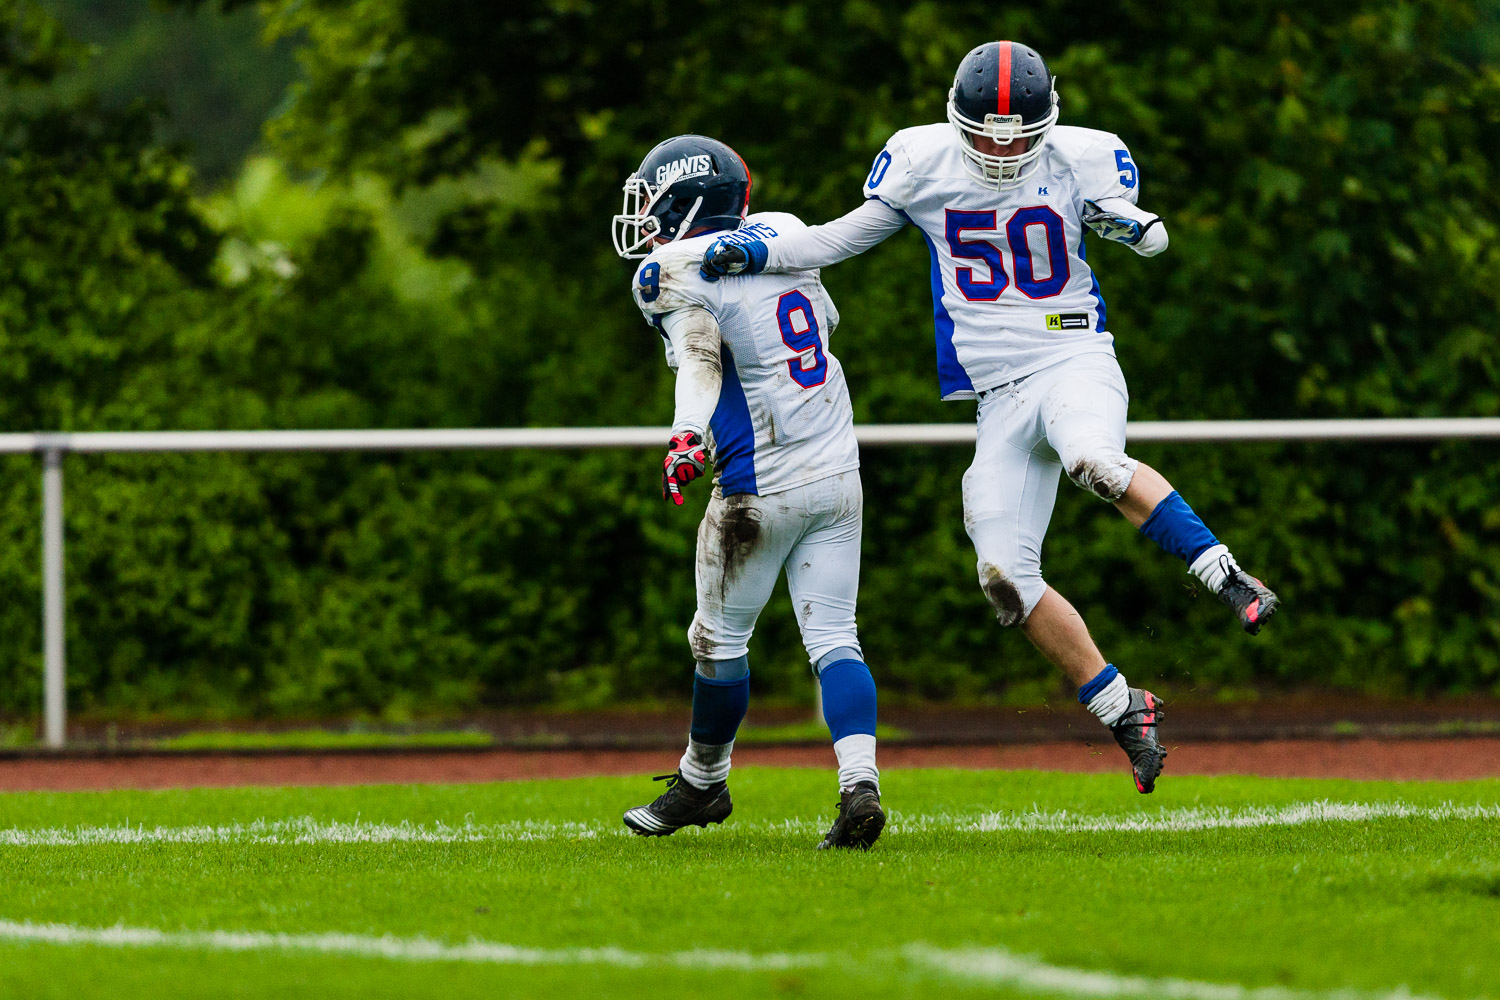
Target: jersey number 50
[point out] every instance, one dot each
(799, 331)
(1018, 236)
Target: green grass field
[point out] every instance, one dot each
(985, 884)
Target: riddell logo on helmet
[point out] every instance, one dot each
(696, 165)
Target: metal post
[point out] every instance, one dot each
(52, 598)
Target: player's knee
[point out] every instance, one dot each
(714, 642)
(1012, 592)
(1104, 472)
(835, 655)
(724, 671)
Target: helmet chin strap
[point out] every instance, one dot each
(687, 220)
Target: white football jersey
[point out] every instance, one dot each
(1012, 291)
(783, 417)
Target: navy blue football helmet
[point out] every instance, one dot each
(685, 183)
(1002, 92)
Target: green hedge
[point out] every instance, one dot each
(1327, 173)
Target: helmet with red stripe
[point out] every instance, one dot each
(1002, 95)
(687, 183)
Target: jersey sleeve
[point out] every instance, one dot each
(1106, 170)
(666, 282)
(820, 246)
(890, 177)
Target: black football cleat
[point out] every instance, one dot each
(1251, 600)
(860, 819)
(1136, 734)
(682, 804)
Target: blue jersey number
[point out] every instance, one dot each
(976, 291)
(1126, 168)
(650, 281)
(1058, 270)
(878, 169)
(799, 331)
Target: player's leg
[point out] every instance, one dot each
(742, 543)
(1088, 430)
(1009, 493)
(822, 572)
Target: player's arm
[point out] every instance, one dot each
(805, 250)
(887, 191)
(1110, 182)
(694, 334)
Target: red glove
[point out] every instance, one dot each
(684, 463)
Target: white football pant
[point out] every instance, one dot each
(1070, 416)
(745, 541)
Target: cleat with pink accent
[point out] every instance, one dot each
(1136, 734)
(1253, 602)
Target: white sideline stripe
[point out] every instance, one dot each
(311, 831)
(999, 967)
(401, 949)
(991, 965)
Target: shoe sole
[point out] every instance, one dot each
(638, 831)
(1150, 786)
(862, 832)
(868, 831)
(1253, 628)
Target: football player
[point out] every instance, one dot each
(1003, 195)
(758, 394)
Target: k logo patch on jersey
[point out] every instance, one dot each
(1068, 321)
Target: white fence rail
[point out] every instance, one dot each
(53, 448)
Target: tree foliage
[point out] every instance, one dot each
(1327, 173)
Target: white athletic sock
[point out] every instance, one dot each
(1111, 703)
(705, 764)
(1213, 567)
(856, 754)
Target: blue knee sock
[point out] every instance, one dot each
(848, 698)
(719, 708)
(1174, 527)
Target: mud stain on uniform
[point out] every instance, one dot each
(1003, 596)
(1106, 479)
(738, 533)
(702, 644)
(807, 612)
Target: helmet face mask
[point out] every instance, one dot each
(637, 225)
(1001, 172)
(685, 182)
(1002, 92)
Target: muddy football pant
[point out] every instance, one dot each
(744, 543)
(1069, 418)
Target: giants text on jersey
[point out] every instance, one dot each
(783, 417)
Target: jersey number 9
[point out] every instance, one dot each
(649, 281)
(799, 331)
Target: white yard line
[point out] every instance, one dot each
(395, 948)
(999, 967)
(990, 965)
(312, 831)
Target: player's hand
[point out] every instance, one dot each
(1112, 225)
(724, 258)
(684, 463)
